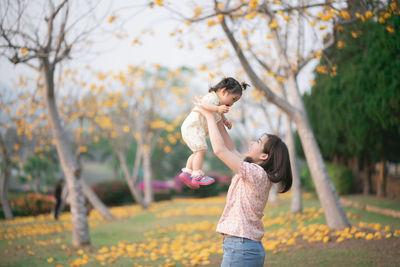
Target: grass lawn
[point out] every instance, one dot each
(181, 232)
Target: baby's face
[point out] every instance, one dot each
(228, 99)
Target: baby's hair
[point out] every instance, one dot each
(231, 85)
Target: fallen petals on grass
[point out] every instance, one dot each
(181, 236)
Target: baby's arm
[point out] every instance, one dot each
(226, 122)
(214, 108)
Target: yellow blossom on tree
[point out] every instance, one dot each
(368, 14)
(280, 79)
(126, 128)
(273, 24)
(101, 76)
(250, 15)
(111, 19)
(387, 16)
(390, 29)
(253, 4)
(211, 22)
(345, 14)
(137, 136)
(340, 44)
(24, 51)
(321, 69)
(159, 2)
(197, 11)
(360, 17)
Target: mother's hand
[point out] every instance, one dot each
(199, 107)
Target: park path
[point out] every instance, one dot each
(371, 208)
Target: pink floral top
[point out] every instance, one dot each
(245, 203)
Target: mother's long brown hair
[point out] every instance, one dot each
(277, 165)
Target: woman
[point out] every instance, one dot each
(266, 162)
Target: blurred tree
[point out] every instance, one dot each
(42, 36)
(140, 115)
(41, 168)
(354, 111)
(18, 127)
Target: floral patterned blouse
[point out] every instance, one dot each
(245, 203)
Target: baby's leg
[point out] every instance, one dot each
(198, 177)
(189, 163)
(198, 160)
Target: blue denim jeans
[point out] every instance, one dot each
(242, 252)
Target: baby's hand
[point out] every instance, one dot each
(228, 124)
(223, 109)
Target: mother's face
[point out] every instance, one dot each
(256, 150)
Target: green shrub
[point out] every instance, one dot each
(342, 178)
(32, 204)
(117, 193)
(113, 193)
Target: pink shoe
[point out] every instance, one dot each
(186, 178)
(203, 180)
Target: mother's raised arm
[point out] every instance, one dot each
(228, 156)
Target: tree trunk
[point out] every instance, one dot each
(96, 202)
(366, 177)
(36, 184)
(273, 193)
(296, 204)
(6, 173)
(90, 195)
(353, 165)
(334, 212)
(381, 186)
(80, 227)
(148, 189)
(131, 180)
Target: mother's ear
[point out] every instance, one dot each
(264, 156)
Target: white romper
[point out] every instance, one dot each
(194, 128)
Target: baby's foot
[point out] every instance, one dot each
(186, 178)
(202, 180)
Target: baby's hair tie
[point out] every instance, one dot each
(244, 85)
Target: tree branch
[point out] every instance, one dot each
(272, 97)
